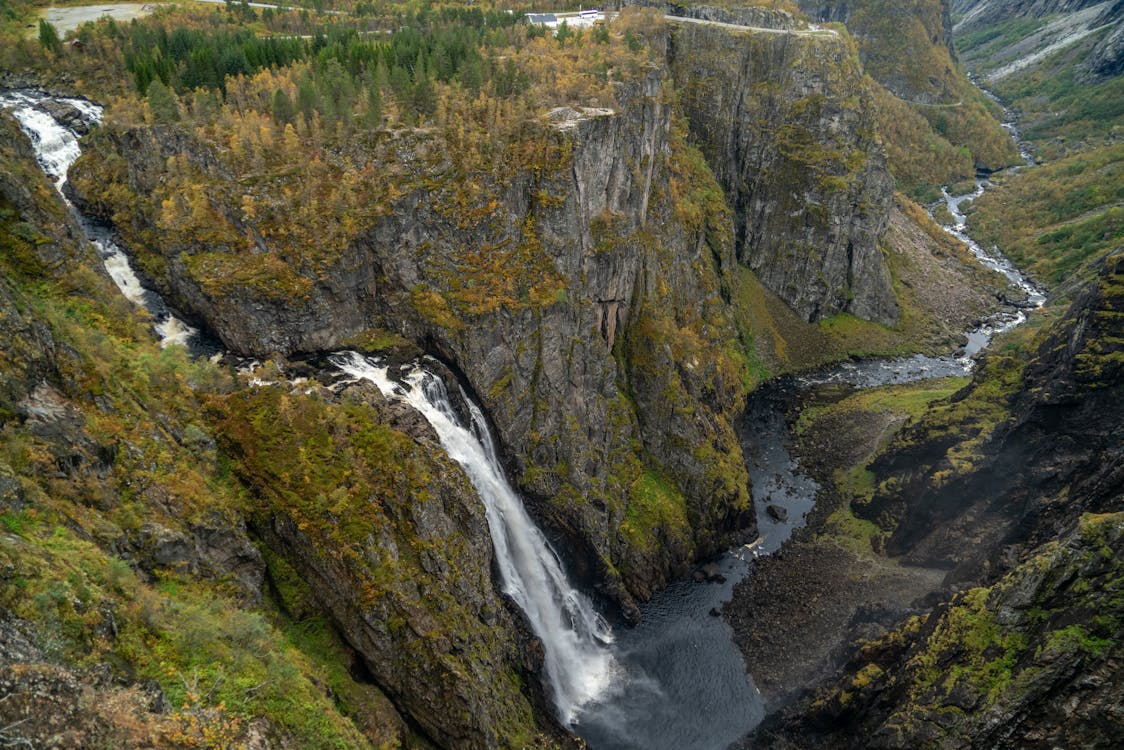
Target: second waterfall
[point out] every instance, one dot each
(579, 666)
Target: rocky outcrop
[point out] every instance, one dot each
(534, 290)
(979, 13)
(1032, 661)
(111, 487)
(784, 121)
(952, 475)
(893, 36)
(753, 16)
(385, 531)
(43, 704)
(1107, 58)
(1013, 486)
(577, 284)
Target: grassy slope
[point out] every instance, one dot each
(1058, 219)
(137, 452)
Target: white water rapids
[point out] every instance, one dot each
(579, 666)
(56, 148)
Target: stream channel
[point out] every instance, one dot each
(678, 681)
(684, 683)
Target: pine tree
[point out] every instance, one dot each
(162, 103)
(374, 106)
(48, 37)
(283, 111)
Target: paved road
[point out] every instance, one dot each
(289, 6)
(810, 31)
(70, 18)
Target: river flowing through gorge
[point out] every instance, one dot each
(676, 680)
(56, 148)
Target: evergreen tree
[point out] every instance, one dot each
(424, 98)
(162, 103)
(374, 106)
(48, 37)
(563, 33)
(306, 98)
(283, 110)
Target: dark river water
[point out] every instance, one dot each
(683, 684)
(679, 682)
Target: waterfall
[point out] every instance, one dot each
(578, 664)
(56, 148)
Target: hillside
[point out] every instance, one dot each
(981, 512)
(603, 243)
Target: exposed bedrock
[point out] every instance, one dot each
(784, 121)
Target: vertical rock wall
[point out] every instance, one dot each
(784, 121)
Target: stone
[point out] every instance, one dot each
(776, 512)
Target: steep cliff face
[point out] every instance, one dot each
(925, 105)
(906, 46)
(785, 123)
(577, 277)
(1011, 492)
(1002, 40)
(972, 13)
(131, 597)
(535, 282)
(385, 532)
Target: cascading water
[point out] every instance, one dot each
(871, 373)
(56, 148)
(579, 666)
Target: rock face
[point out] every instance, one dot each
(386, 532)
(571, 304)
(1062, 20)
(987, 12)
(1031, 661)
(785, 124)
(1062, 431)
(579, 289)
(1106, 60)
(895, 36)
(1014, 488)
(767, 18)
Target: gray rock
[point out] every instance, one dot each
(787, 126)
(777, 513)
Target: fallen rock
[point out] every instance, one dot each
(777, 513)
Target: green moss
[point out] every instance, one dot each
(986, 653)
(656, 510)
(862, 537)
(1076, 637)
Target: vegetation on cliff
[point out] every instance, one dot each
(124, 551)
(938, 126)
(302, 563)
(997, 663)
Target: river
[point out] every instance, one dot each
(56, 148)
(686, 684)
(676, 681)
